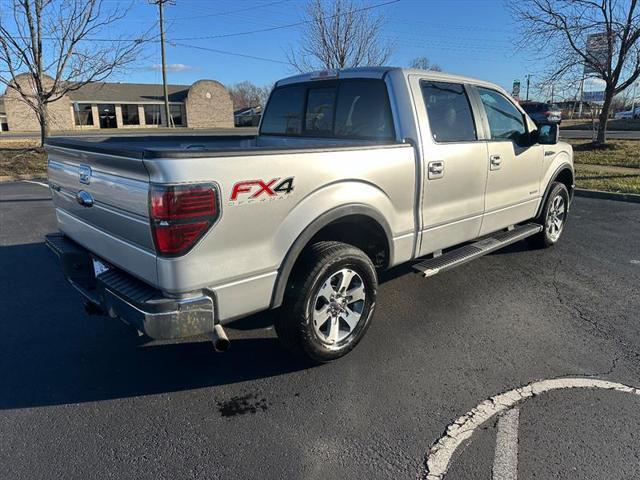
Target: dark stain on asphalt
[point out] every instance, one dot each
(242, 404)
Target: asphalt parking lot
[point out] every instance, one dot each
(85, 397)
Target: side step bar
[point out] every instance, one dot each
(459, 256)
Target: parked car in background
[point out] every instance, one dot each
(247, 117)
(352, 172)
(628, 114)
(543, 112)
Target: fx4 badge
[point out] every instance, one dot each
(249, 191)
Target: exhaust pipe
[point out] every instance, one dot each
(219, 338)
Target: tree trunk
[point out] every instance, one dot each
(44, 124)
(603, 118)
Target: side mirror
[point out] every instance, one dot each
(548, 133)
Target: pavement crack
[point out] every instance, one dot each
(606, 333)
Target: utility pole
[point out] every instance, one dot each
(528, 81)
(581, 95)
(167, 114)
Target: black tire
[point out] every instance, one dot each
(545, 238)
(319, 264)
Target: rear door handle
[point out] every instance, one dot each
(496, 161)
(435, 169)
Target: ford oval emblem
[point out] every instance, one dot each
(84, 172)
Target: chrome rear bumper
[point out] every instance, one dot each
(119, 295)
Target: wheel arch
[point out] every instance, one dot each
(325, 221)
(563, 174)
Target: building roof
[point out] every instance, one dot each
(127, 92)
(248, 110)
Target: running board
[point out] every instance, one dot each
(454, 258)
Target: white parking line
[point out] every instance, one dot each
(440, 454)
(36, 183)
(505, 461)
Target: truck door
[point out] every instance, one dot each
(513, 165)
(454, 164)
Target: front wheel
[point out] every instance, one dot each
(329, 302)
(553, 217)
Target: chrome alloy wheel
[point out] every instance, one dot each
(555, 218)
(338, 306)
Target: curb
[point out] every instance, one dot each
(620, 197)
(15, 178)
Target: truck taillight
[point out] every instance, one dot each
(180, 215)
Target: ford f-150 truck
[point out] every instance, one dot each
(352, 172)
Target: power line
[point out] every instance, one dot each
(235, 34)
(228, 12)
(225, 52)
(290, 25)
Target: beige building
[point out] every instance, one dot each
(102, 105)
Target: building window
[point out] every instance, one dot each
(107, 115)
(130, 114)
(152, 115)
(82, 114)
(176, 114)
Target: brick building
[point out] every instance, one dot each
(102, 105)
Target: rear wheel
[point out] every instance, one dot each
(329, 302)
(553, 217)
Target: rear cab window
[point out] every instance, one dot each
(349, 109)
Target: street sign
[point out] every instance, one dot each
(516, 89)
(598, 51)
(593, 96)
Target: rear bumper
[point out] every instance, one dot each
(120, 295)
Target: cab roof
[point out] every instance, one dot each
(380, 72)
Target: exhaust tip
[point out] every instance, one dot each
(220, 340)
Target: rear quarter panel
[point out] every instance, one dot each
(239, 258)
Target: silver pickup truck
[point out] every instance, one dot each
(352, 172)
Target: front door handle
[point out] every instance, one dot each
(435, 169)
(496, 161)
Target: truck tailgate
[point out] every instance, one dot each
(101, 202)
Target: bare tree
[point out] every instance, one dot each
(340, 34)
(423, 63)
(560, 29)
(52, 44)
(246, 94)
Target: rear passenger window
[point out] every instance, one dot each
(505, 120)
(320, 105)
(285, 112)
(449, 111)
